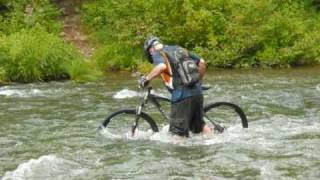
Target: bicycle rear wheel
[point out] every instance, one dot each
(119, 123)
(220, 114)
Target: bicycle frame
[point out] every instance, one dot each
(154, 99)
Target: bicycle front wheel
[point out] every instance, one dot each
(120, 123)
(226, 114)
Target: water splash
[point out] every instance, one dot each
(45, 167)
(282, 141)
(164, 136)
(125, 93)
(106, 133)
(20, 93)
(138, 135)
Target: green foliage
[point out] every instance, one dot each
(144, 67)
(234, 33)
(25, 14)
(115, 56)
(30, 46)
(2, 75)
(3, 59)
(81, 71)
(35, 55)
(314, 3)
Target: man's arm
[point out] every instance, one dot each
(202, 68)
(156, 71)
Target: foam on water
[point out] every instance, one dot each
(164, 136)
(20, 93)
(45, 167)
(106, 133)
(125, 93)
(11, 93)
(318, 87)
(139, 135)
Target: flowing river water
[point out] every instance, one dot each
(49, 131)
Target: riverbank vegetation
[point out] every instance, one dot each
(36, 55)
(228, 34)
(31, 48)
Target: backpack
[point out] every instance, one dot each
(186, 67)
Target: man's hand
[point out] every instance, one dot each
(143, 82)
(156, 71)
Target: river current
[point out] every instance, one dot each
(49, 130)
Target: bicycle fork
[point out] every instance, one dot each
(138, 113)
(136, 121)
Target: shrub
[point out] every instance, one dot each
(235, 33)
(25, 14)
(82, 71)
(3, 59)
(35, 55)
(114, 56)
(2, 75)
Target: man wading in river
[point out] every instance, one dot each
(181, 72)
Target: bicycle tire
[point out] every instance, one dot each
(131, 112)
(236, 108)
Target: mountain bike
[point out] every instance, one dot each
(130, 120)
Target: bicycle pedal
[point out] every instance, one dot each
(220, 129)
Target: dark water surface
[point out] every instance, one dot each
(49, 131)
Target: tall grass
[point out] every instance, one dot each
(82, 71)
(115, 56)
(36, 55)
(31, 48)
(3, 59)
(2, 75)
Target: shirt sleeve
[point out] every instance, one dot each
(157, 58)
(194, 57)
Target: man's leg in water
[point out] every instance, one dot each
(180, 117)
(197, 125)
(206, 130)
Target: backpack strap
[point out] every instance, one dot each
(164, 56)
